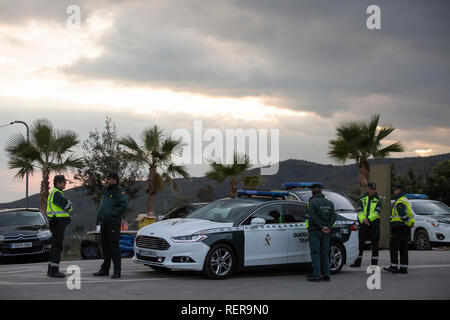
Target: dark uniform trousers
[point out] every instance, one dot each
(110, 235)
(371, 232)
(57, 227)
(399, 243)
(319, 244)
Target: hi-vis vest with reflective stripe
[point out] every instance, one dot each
(373, 215)
(408, 218)
(54, 210)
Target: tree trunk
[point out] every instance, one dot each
(233, 185)
(364, 170)
(45, 185)
(151, 191)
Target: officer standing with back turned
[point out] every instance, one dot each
(321, 219)
(113, 205)
(401, 223)
(58, 208)
(369, 210)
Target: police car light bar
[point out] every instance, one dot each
(292, 185)
(262, 193)
(416, 196)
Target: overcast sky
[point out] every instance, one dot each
(301, 67)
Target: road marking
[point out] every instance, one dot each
(425, 266)
(6, 283)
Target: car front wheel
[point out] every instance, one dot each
(220, 262)
(422, 240)
(337, 257)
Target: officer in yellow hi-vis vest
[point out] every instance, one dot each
(58, 208)
(369, 209)
(402, 221)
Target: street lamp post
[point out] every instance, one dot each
(28, 140)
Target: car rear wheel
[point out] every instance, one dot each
(337, 257)
(220, 262)
(422, 240)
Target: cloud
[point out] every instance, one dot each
(302, 67)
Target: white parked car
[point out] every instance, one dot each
(254, 229)
(432, 222)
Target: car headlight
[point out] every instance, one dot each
(191, 238)
(434, 223)
(44, 234)
(2, 237)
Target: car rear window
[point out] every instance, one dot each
(21, 218)
(341, 201)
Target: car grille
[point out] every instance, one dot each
(20, 238)
(152, 243)
(150, 259)
(34, 249)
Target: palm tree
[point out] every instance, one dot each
(49, 150)
(156, 154)
(359, 141)
(229, 172)
(251, 182)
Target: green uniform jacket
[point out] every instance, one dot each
(320, 212)
(113, 205)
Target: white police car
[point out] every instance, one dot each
(432, 221)
(254, 229)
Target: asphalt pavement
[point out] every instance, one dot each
(428, 278)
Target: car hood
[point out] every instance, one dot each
(181, 227)
(442, 219)
(24, 230)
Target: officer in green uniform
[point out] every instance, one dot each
(369, 210)
(401, 223)
(113, 205)
(321, 219)
(58, 208)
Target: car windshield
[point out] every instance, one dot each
(224, 210)
(341, 201)
(21, 218)
(430, 208)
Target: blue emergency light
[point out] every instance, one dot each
(262, 193)
(292, 185)
(416, 196)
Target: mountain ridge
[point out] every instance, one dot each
(340, 177)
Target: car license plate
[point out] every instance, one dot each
(147, 253)
(20, 245)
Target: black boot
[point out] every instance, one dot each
(54, 273)
(374, 262)
(49, 270)
(313, 278)
(403, 270)
(101, 273)
(391, 269)
(116, 275)
(356, 264)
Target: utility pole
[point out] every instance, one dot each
(28, 140)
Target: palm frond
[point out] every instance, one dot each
(152, 138)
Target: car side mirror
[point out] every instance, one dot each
(258, 221)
